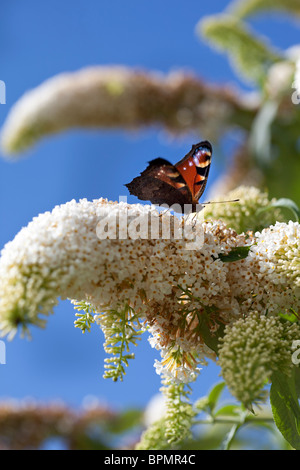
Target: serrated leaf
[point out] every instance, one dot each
(243, 8)
(237, 253)
(285, 407)
(250, 53)
(283, 203)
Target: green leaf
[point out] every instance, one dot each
(214, 395)
(243, 8)
(283, 203)
(125, 421)
(250, 53)
(261, 132)
(297, 380)
(285, 406)
(211, 339)
(292, 316)
(237, 253)
(228, 410)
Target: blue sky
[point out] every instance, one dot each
(41, 39)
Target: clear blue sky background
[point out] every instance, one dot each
(39, 39)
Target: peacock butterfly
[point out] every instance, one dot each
(182, 183)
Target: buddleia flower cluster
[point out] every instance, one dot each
(251, 350)
(120, 96)
(249, 213)
(130, 270)
(175, 422)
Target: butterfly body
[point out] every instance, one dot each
(182, 184)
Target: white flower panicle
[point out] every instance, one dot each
(251, 350)
(109, 256)
(277, 256)
(278, 251)
(118, 96)
(267, 279)
(296, 83)
(179, 412)
(243, 215)
(60, 254)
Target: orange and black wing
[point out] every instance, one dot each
(194, 168)
(183, 183)
(161, 183)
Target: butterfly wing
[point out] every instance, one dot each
(194, 168)
(161, 183)
(183, 183)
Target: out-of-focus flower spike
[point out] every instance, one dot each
(120, 97)
(251, 350)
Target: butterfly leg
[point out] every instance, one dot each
(194, 219)
(164, 212)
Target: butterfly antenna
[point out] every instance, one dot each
(217, 202)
